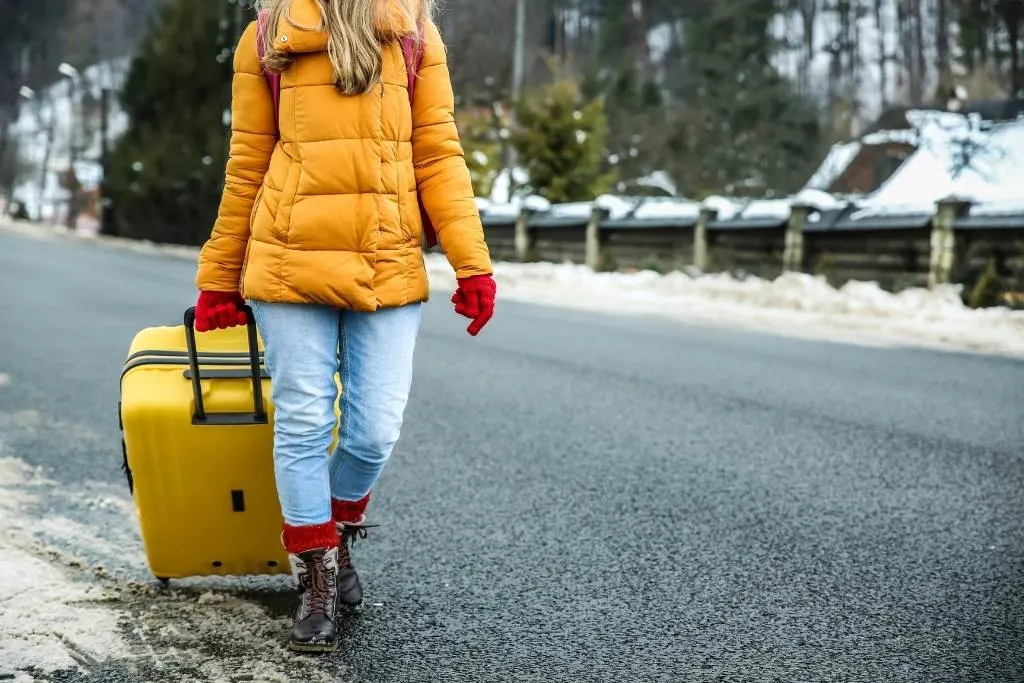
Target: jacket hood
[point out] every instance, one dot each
(294, 36)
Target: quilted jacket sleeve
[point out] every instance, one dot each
(253, 137)
(442, 176)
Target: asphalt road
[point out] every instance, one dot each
(580, 497)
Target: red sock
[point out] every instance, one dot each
(345, 511)
(299, 539)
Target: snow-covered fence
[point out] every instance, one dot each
(812, 232)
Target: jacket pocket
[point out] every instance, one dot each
(245, 266)
(255, 208)
(289, 191)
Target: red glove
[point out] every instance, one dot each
(219, 310)
(475, 299)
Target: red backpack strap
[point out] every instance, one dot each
(273, 79)
(412, 50)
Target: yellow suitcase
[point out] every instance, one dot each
(197, 430)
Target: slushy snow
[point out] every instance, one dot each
(49, 621)
(794, 304)
(66, 618)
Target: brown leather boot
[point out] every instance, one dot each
(350, 520)
(315, 629)
(350, 590)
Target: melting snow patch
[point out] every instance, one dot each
(793, 303)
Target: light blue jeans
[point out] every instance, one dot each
(305, 345)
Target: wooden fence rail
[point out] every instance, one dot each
(952, 244)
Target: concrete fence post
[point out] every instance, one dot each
(523, 238)
(793, 255)
(700, 238)
(598, 215)
(943, 241)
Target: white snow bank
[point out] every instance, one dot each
(794, 303)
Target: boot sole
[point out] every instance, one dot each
(314, 648)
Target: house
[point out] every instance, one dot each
(862, 166)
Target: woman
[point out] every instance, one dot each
(320, 229)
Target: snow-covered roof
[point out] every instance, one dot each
(999, 207)
(903, 136)
(956, 158)
(838, 159)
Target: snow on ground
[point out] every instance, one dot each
(65, 617)
(50, 620)
(795, 303)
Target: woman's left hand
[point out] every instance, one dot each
(475, 299)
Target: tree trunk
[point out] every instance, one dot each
(942, 36)
(1012, 14)
(808, 14)
(919, 51)
(883, 57)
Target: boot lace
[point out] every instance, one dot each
(349, 533)
(319, 582)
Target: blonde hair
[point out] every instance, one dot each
(355, 30)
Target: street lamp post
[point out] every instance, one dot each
(73, 76)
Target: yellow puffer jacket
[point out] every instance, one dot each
(329, 213)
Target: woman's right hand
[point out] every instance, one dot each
(219, 310)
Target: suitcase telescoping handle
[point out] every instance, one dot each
(201, 417)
